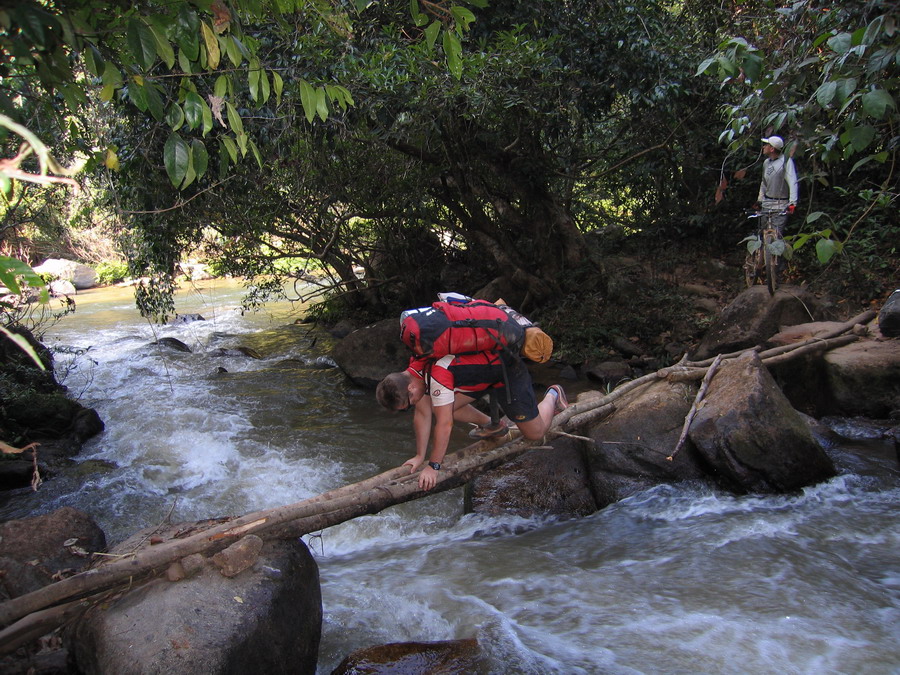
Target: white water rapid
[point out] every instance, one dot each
(679, 579)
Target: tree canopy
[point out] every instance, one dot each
(410, 147)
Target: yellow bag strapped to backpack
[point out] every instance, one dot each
(538, 346)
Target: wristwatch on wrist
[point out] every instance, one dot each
(435, 465)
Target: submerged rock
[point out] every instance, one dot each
(413, 658)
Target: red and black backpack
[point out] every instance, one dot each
(454, 328)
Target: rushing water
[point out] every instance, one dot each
(678, 579)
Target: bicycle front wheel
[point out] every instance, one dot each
(771, 266)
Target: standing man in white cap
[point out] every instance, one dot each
(778, 187)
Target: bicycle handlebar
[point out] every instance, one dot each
(760, 214)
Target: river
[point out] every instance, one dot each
(676, 579)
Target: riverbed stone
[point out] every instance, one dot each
(368, 354)
(450, 656)
(267, 619)
(751, 436)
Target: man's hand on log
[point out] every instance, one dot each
(414, 463)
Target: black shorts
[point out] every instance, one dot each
(510, 380)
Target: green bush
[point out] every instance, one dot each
(111, 272)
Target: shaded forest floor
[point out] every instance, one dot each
(662, 297)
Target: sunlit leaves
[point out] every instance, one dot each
(13, 271)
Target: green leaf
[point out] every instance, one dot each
(232, 50)
(94, 61)
(814, 216)
(141, 43)
(877, 102)
(277, 85)
(825, 93)
(840, 43)
(308, 100)
(24, 345)
(163, 48)
(231, 147)
(177, 157)
(234, 120)
(858, 137)
(463, 17)
(138, 95)
(256, 154)
(321, 103)
(154, 102)
(111, 76)
(188, 27)
(702, 68)
(825, 250)
(191, 174)
(207, 119)
(200, 157)
(431, 34)
(453, 52)
(221, 88)
(193, 109)
(12, 268)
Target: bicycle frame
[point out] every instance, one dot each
(763, 249)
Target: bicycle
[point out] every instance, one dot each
(764, 248)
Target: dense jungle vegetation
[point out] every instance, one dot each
(406, 147)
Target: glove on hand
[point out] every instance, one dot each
(791, 208)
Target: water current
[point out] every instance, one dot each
(676, 579)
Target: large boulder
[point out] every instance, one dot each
(754, 316)
(539, 483)
(889, 316)
(266, 618)
(368, 354)
(36, 551)
(81, 276)
(751, 437)
(859, 379)
(863, 378)
(631, 446)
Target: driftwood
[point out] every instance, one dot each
(42, 610)
(698, 400)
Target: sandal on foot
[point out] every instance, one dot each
(561, 401)
(489, 430)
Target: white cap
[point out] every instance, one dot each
(774, 141)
